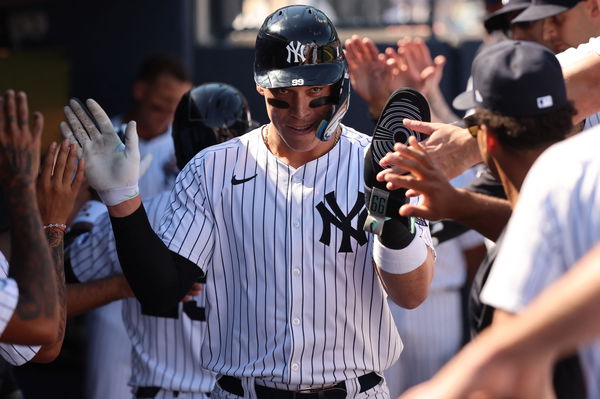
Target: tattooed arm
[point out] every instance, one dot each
(58, 185)
(35, 320)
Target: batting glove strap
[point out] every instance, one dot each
(400, 261)
(115, 196)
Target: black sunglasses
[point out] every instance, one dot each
(472, 125)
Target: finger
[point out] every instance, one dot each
(419, 211)
(11, 111)
(71, 162)
(48, 163)
(371, 50)
(79, 177)
(419, 126)
(86, 119)
(416, 147)
(22, 111)
(101, 117)
(131, 139)
(145, 164)
(360, 50)
(38, 124)
(422, 50)
(77, 128)
(67, 134)
(61, 161)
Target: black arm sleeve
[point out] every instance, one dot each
(158, 277)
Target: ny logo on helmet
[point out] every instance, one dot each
(297, 50)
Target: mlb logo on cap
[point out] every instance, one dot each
(544, 102)
(515, 78)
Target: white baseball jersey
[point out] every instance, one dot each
(573, 55)
(9, 297)
(293, 299)
(555, 222)
(109, 349)
(166, 351)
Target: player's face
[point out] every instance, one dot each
(157, 102)
(297, 123)
(534, 32)
(570, 28)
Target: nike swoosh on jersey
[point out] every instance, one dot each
(235, 181)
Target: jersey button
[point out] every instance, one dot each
(296, 224)
(296, 321)
(295, 367)
(296, 271)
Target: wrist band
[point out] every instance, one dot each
(400, 261)
(56, 226)
(115, 196)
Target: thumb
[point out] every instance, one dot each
(131, 140)
(145, 164)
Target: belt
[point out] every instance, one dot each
(338, 391)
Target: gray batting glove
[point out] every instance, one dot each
(112, 168)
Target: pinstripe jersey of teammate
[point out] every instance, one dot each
(9, 296)
(292, 296)
(166, 351)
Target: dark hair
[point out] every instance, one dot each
(528, 132)
(161, 64)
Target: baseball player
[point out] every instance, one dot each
(166, 358)
(33, 300)
(512, 130)
(159, 85)
(295, 305)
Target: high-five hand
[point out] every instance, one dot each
(112, 168)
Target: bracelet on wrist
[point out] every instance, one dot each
(56, 226)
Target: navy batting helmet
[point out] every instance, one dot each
(299, 46)
(206, 115)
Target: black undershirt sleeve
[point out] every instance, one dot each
(158, 277)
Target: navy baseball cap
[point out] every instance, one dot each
(540, 9)
(497, 20)
(515, 78)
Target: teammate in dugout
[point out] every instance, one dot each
(165, 357)
(295, 305)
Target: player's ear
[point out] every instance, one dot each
(491, 141)
(260, 90)
(593, 8)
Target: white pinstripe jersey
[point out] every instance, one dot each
(293, 298)
(555, 222)
(166, 352)
(14, 354)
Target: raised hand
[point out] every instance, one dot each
(438, 195)
(112, 168)
(450, 147)
(416, 68)
(369, 73)
(59, 182)
(19, 144)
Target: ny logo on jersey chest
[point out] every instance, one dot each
(343, 222)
